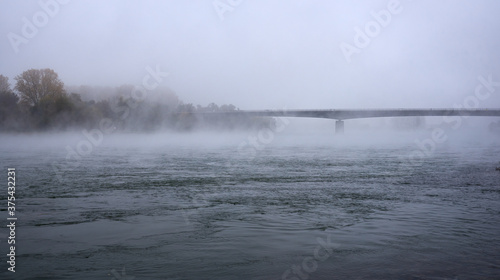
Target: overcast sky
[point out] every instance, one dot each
(265, 54)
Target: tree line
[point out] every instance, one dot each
(39, 101)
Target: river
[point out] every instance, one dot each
(194, 207)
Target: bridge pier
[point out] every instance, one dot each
(339, 127)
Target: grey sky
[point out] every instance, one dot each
(267, 54)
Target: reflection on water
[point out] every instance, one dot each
(206, 212)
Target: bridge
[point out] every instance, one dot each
(345, 114)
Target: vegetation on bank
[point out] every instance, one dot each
(39, 101)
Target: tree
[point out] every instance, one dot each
(228, 108)
(37, 84)
(212, 107)
(4, 84)
(7, 97)
(9, 111)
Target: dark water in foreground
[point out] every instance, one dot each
(318, 211)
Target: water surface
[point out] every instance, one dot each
(186, 209)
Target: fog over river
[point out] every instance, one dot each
(300, 205)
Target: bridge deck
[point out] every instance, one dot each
(344, 114)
